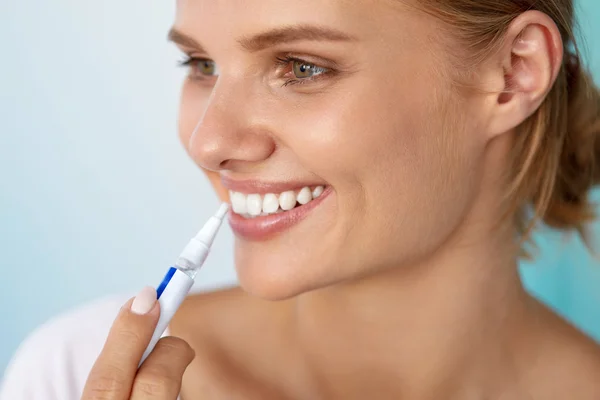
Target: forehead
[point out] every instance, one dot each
(369, 19)
(250, 9)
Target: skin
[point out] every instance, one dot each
(115, 374)
(403, 283)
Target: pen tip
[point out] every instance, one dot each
(222, 211)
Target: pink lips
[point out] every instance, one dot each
(262, 228)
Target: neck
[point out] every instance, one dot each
(414, 331)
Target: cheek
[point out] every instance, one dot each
(420, 183)
(215, 181)
(374, 137)
(398, 161)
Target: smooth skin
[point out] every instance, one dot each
(402, 284)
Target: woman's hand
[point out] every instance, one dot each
(115, 374)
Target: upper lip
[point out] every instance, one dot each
(251, 186)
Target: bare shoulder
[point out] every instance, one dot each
(239, 342)
(570, 366)
(581, 362)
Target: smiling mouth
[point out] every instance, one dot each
(255, 205)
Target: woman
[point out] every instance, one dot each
(385, 161)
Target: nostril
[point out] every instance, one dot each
(224, 164)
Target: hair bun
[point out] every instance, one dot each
(579, 165)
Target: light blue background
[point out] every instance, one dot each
(97, 195)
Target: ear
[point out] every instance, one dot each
(529, 60)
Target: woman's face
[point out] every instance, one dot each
(352, 95)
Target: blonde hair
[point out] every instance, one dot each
(556, 149)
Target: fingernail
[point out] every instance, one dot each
(144, 301)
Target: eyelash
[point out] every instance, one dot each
(287, 60)
(280, 61)
(188, 63)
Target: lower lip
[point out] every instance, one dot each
(263, 228)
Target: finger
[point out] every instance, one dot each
(159, 377)
(113, 373)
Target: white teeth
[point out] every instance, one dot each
(254, 204)
(238, 202)
(304, 196)
(317, 191)
(287, 200)
(270, 203)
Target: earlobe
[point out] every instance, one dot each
(531, 61)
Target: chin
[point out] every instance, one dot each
(267, 276)
(279, 271)
(270, 289)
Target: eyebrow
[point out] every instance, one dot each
(273, 37)
(290, 34)
(184, 40)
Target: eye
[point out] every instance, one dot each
(206, 67)
(200, 68)
(303, 70)
(298, 71)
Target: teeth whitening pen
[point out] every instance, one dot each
(179, 279)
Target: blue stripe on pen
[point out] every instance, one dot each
(165, 282)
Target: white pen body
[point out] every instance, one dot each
(171, 293)
(180, 278)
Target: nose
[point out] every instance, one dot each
(229, 134)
